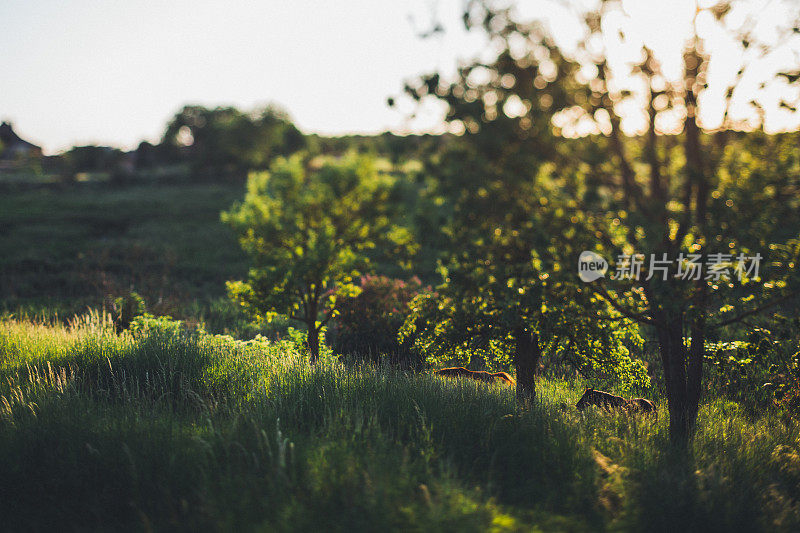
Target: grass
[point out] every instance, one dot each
(161, 429)
(64, 249)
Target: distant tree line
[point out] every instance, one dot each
(225, 143)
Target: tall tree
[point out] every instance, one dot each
(670, 189)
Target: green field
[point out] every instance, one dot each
(555, 289)
(164, 426)
(159, 429)
(65, 249)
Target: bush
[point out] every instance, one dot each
(125, 308)
(759, 372)
(367, 324)
(226, 317)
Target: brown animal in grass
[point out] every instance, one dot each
(610, 401)
(486, 377)
(643, 405)
(502, 377)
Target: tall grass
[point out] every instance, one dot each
(164, 429)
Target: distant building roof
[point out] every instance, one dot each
(12, 145)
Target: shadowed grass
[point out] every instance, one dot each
(169, 430)
(68, 248)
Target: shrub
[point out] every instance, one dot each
(367, 325)
(761, 371)
(125, 308)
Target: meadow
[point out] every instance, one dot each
(237, 326)
(66, 248)
(199, 423)
(165, 428)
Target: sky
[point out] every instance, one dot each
(114, 72)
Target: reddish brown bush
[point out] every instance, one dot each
(367, 324)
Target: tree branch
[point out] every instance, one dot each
(755, 311)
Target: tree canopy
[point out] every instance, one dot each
(527, 199)
(225, 140)
(309, 225)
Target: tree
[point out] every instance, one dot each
(492, 294)
(668, 190)
(504, 301)
(308, 226)
(92, 158)
(225, 140)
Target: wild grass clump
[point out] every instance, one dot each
(161, 428)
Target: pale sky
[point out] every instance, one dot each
(114, 72)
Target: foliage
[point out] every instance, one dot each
(226, 141)
(787, 391)
(307, 226)
(126, 308)
(605, 353)
(92, 159)
(497, 276)
(367, 324)
(608, 354)
(444, 333)
(525, 203)
(762, 369)
(224, 316)
(146, 324)
(396, 148)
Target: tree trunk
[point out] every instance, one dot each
(526, 359)
(694, 374)
(312, 337)
(683, 374)
(313, 342)
(673, 358)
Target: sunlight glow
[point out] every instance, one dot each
(114, 73)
